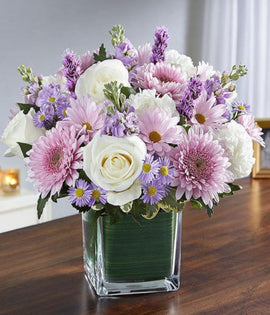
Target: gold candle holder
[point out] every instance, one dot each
(10, 180)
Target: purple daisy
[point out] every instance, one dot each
(51, 95)
(61, 111)
(150, 169)
(97, 194)
(153, 192)
(44, 117)
(166, 171)
(80, 194)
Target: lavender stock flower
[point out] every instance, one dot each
(72, 70)
(126, 53)
(160, 45)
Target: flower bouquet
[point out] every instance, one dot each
(128, 136)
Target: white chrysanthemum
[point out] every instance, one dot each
(148, 99)
(238, 145)
(183, 62)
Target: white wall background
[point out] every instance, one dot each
(36, 33)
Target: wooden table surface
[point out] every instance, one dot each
(225, 267)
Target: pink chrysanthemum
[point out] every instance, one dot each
(164, 78)
(144, 54)
(85, 115)
(54, 159)
(201, 167)
(158, 130)
(206, 114)
(254, 131)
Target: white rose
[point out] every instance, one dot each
(20, 129)
(93, 79)
(238, 145)
(148, 99)
(114, 164)
(183, 62)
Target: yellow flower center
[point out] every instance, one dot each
(51, 99)
(241, 107)
(154, 136)
(96, 194)
(152, 190)
(200, 118)
(64, 112)
(164, 170)
(146, 167)
(41, 117)
(79, 192)
(88, 126)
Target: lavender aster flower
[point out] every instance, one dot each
(150, 169)
(240, 108)
(166, 171)
(160, 45)
(153, 192)
(72, 70)
(80, 194)
(51, 95)
(97, 194)
(44, 117)
(126, 53)
(61, 111)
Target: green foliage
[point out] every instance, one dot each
(151, 211)
(196, 204)
(117, 34)
(41, 204)
(127, 91)
(26, 107)
(127, 207)
(62, 194)
(112, 91)
(25, 147)
(115, 213)
(169, 203)
(102, 55)
(27, 74)
(237, 72)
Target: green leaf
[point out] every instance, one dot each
(25, 147)
(62, 194)
(196, 204)
(138, 210)
(127, 91)
(82, 175)
(151, 211)
(115, 213)
(81, 209)
(41, 204)
(169, 203)
(235, 187)
(102, 55)
(26, 107)
(98, 206)
(127, 207)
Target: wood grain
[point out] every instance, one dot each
(225, 266)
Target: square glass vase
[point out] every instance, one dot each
(128, 258)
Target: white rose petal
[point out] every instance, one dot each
(183, 62)
(114, 164)
(238, 145)
(21, 129)
(92, 81)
